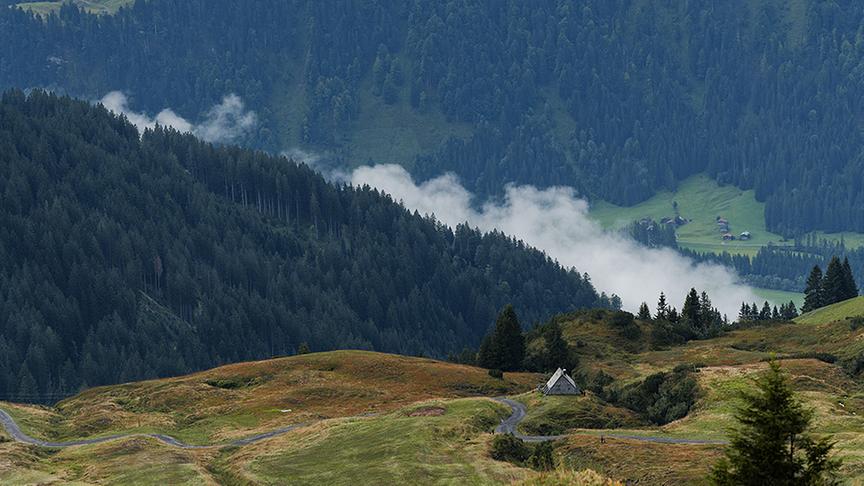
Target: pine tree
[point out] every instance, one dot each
(557, 354)
(813, 295)
(850, 288)
(487, 356)
(644, 312)
(662, 308)
(765, 313)
(504, 348)
(792, 310)
(834, 283)
(770, 445)
(744, 313)
(510, 341)
(692, 310)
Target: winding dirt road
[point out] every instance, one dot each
(510, 425)
(14, 430)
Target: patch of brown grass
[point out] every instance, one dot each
(240, 399)
(637, 462)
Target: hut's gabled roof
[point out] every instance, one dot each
(557, 376)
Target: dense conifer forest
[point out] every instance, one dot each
(617, 98)
(124, 257)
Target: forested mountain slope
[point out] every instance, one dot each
(617, 98)
(123, 257)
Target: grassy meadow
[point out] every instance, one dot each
(391, 419)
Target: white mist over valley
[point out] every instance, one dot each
(556, 221)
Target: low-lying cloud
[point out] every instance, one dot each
(556, 220)
(224, 122)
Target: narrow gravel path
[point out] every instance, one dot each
(510, 426)
(14, 430)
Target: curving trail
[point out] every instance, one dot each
(511, 423)
(15, 431)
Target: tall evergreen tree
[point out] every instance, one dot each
(662, 308)
(692, 310)
(814, 296)
(765, 313)
(557, 353)
(504, 348)
(850, 288)
(770, 445)
(644, 312)
(834, 282)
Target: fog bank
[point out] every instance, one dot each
(222, 123)
(556, 220)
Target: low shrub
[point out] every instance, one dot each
(506, 447)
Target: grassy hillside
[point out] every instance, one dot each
(393, 419)
(834, 312)
(241, 399)
(92, 6)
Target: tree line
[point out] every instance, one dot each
(836, 285)
(128, 256)
(618, 99)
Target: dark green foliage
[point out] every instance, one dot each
(649, 93)
(542, 458)
(814, 296)
(644, 312)
(654, 235)
(504, 348)
(770, 444)
(788, 267)
(303, 348)
(855, 322)
(626, 325)
(496, 373)
(834, 282)
(124, 257)
(699, 319)
(506, 447)
(850, 288)
(661, 397)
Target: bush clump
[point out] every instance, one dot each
(508, 448)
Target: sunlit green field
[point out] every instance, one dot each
(778, 297)
(702, 200)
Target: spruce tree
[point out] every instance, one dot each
(850, 288)
(770, 444)
(744, 313)
(692, 310)
(662, 308)
(557, 354)
(644, 312)
(487, 356)
(765, 313)
(792, 310)
(813, 294)
(834, 283)
(504, 348)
